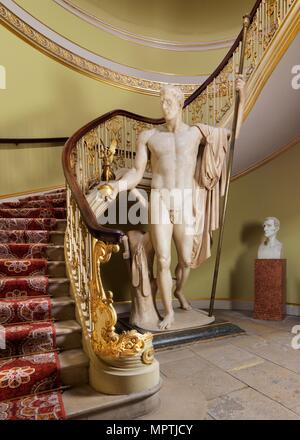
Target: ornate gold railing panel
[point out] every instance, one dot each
(106, 342)
(88, 155)
(85, 256)
(213, 104)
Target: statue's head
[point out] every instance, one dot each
(172, 100)
(271, 226)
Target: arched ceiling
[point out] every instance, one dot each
(178, 20)
(170, 37)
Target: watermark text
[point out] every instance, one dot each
(296, 78)
(296, 339)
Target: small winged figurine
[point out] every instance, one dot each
(107, 156)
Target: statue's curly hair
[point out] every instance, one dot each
(175, 91)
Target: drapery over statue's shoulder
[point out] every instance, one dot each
(209, 186)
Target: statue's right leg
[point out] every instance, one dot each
(184, 247)
(161, 236)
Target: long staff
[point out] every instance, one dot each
(246, 23)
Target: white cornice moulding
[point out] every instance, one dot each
(95, 58)
(178, 46)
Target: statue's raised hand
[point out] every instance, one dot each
(240, 85)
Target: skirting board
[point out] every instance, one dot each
(221, 304)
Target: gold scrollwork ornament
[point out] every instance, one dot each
(106, 342)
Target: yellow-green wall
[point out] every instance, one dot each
(271, 190)
(29, 167)
(45, 99)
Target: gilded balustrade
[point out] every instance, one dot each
(87, 157)
(213, 104)
(85, 256)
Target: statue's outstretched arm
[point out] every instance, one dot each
(133, 177)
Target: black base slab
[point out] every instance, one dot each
(170, 338)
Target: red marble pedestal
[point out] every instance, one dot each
(270, 281)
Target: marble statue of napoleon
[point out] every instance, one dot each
(188, 170)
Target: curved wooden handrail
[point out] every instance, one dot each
(98, 231)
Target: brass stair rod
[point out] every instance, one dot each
(246, 23)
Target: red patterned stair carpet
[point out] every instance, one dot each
(29, 365)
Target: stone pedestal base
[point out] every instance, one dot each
(184, 319)
(270, 277)
(190, 326)
(108, 379)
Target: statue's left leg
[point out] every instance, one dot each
(184, 246)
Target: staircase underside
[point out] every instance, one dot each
(273, 122)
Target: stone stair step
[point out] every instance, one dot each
(61, 225)
(68, 335)
(63, 308)
(57, 237)
(28, 251)
(29, 212)
(74, 367)
(62, 190)
(59, 287)
(44, 196)
(56, 269)
(55, 253)
(84, 403)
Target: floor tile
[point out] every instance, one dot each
(272, 348)
(179, 401)
(203, 376)
(228, 357)
(273, 381)
(248, 404)
(251, 342)
(286, 324)
(296, 409)
(173, 355)
(254, 328)
(251, 376)
(281, 337)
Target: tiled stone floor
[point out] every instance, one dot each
(253, 376)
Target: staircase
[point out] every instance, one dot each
(36, 308)
(38, 314)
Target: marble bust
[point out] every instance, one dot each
(271, 248)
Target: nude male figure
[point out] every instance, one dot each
(174, 149)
